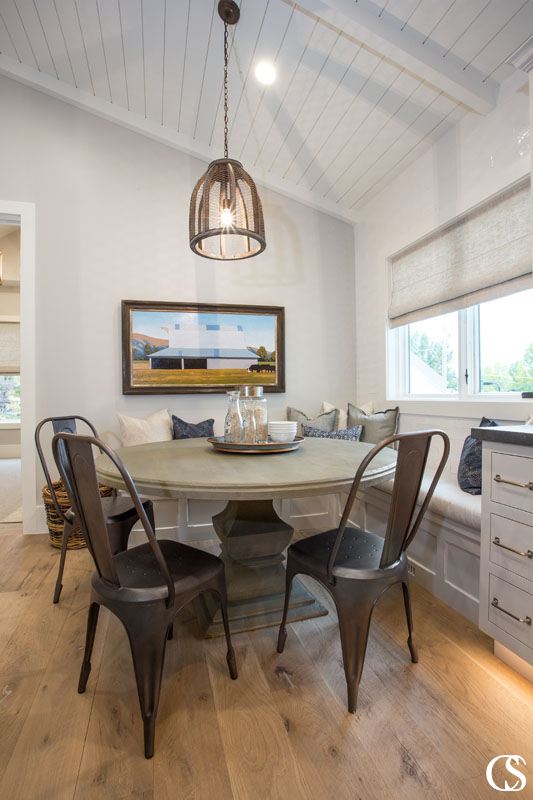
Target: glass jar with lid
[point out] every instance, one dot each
(233, 425)
(255, 414)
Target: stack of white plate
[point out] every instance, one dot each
(282, 431)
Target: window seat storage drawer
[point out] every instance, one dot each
(511, 481)
(511, 609)
(511, 546)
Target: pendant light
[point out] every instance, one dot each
(226, 216)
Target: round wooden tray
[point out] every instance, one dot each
(248, 448)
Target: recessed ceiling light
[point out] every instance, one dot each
(265, 73)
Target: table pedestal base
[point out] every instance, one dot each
(253, 539)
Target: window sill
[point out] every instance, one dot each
(8, 425)
(503, 408)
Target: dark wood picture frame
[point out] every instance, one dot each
(259, 371)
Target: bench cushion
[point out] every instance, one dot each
(449, 501)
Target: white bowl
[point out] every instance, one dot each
(285, 436)
(283, 425)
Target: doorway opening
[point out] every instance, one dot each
(10, 387)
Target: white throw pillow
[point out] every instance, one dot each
(155, 428)
(342, 416)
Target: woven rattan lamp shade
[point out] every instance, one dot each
(226, 216)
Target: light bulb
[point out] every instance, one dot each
(226, 218)
(265, 73)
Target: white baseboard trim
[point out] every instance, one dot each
(34, 521)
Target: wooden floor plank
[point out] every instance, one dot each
(17, 693)
(281, 730)
(498, 718)
(259, 756)
(113, 765)
(29, 647)
(323, 736)
(54, 731)
(413, 767)
(189, 760)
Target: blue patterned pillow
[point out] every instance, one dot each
(469, 470)
(350, 434)
(191, 430)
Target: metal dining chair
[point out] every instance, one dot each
(120, 513)
(356, 566)
(145, 586)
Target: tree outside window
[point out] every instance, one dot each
(10, 398)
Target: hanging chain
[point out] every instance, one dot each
(225, 89)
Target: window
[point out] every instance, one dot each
(506, 344)
(9, 398)
(487, 348)
(434, 355)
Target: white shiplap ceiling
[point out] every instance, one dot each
(362, 86)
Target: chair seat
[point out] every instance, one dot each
(141, 579)
(359, 554)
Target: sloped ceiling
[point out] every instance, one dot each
(361, 86)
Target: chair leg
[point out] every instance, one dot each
(354, 624)
(148, 641)
(411, 643)
(282, 636)
(170, 634)
(92, 621)
(67, 530)
(230, 655)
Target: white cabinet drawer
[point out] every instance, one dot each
(513, 605)
(511, 545)
(506, 472)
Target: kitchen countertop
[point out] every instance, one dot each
(506, 434)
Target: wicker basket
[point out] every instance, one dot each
(76, 540)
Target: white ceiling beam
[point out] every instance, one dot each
(153, 130)
(380, 30)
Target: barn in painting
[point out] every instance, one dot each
(204, 347)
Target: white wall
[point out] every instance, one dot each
(112, 223)
(476, 159)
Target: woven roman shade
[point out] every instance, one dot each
(9, 348)
(484, 254)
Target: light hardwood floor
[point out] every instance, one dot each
(280, 731)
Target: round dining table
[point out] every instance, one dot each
(252, 535)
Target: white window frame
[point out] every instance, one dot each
(468, 400)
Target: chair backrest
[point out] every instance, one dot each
(74, 456)
(412, 453)
(59, 425)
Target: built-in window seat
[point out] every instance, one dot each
(444, 555)
(449, 501)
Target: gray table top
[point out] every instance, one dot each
(192, 469)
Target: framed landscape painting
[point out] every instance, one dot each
(184, 348)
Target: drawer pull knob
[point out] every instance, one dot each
(499, 479)
(527, 554)
(526, 620)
